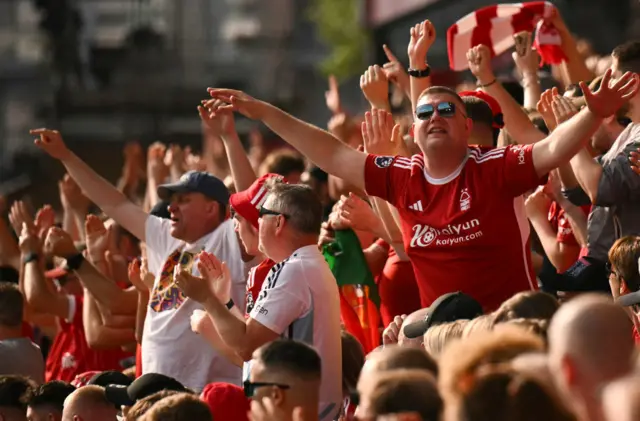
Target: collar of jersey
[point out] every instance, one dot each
(452, 176)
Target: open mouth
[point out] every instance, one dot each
(436, 130)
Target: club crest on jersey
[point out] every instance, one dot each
(383, 161)
(465, 200)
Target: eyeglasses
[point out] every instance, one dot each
(445, 109)
(250, 387)
(264, 211)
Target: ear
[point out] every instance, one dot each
(277, 396)
(569, 371)
(412, 130)
(280, 223)
(468, 126)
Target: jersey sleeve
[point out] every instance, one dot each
(386, 177)
(282, 300)
(519, 174)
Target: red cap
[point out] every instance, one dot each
(498, 117)
(226, 401)
(247, 203)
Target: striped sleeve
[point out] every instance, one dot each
(386, 177)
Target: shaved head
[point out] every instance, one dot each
(88, 403)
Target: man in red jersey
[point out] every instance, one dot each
(461, 207)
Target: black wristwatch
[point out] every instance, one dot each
(230, 304)
(30, 257)
(74, 262)
(419, 73)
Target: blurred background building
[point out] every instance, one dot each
(109, 71)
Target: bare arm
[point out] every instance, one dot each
(421, 38)
(100, 336)
(141, 314)
(106, 291)
(9, 252)
(577, 219)
(561, 255)
(587, 172)
(40, 296)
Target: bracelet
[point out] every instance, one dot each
(30, 257)
(230, 304)
(486, 84)
(74, 262)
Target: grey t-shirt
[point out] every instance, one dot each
(22, 357)
(619, 187)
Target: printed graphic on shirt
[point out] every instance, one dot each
(68, 361)
(465, 200)
(424, 235)
(383, 161)
(166, 295)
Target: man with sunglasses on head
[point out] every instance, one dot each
(298, 300)
(460, 206)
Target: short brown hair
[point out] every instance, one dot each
(179, 407)
(11, 305)
(407, 391)
(142, 406)
(395, 357)
(283, 162)
(628, 56)
(299, 203)
(623, 256)
(528, 304)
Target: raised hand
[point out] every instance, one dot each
(357, 213)
(19, 215)
(71, 195)
(332, 96)
(422, 37)
(98, 237)
(545, 108)
(135, 277)
(117, 266)
(174, 158)
(391, 333)
(611, 96)
(193, 162)
(59, 243)
(479, 58)
(240, 102)
(28, 241)
(537, 204)
(216, 274)
(563, 108)
(395, 71)
(157, 170)
(193, 287)
(217, 119)
(375, 87)
(380, 134)
(51, 142)
(528, 63)
(45, 219)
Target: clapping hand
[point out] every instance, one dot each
(380, 134)
(332, 96)
(375, 87)
(59, 243)
(545, 108)
(563, 109)
(611, 95)
(217, 275)
(356, 213)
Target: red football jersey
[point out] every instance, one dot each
(561, 224)
(467, 232)
(257, 275)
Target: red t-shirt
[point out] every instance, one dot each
(257, 275)
(70, 354)
(397, 286)
(561, 225)
(27, 330)
(467, 232)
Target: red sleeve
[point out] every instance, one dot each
(386, 177)
(383, 244)
(565, 230)
(519, 173)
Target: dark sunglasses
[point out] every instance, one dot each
(445, 109)
(250, 387)
(264, 211)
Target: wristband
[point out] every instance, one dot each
(74, 262)
(419, 73)
(30, 257)
(230, 304)
(487, 84)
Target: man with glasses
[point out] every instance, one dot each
(461, 207)
(288, 373)
(299, 298)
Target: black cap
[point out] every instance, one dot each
(161, 210)
(447, 308)
(197, 182)
(112, 377)
(143, 386)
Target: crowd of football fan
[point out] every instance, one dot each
(465, 257)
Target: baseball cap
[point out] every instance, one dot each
(247, 202)
(197, 182)
(143, 386)
(161, 209)
(447, 308)
(111, 377)
(226, 401)
(496, 110)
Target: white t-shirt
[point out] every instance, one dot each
(299, 299)
(169, 346)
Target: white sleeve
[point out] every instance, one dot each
(283, 299)
(159, 242)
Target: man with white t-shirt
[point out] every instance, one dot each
(299, 298)
(460, 206)
(198, 208)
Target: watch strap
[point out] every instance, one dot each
(74, 262)
(419, 73)
(30, 257)
(230, 304)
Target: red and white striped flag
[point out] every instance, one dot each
(494, 26)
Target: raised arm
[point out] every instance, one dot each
(569, 137)
(322, 148)
(422, 37)
(113, 202)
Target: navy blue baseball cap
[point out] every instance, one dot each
(197, 182)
